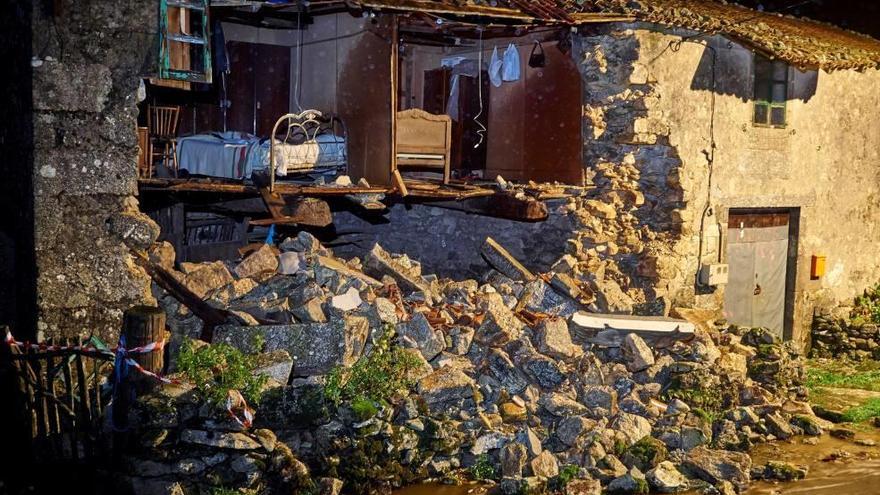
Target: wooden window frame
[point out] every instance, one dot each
(202, 39)
(769, 104)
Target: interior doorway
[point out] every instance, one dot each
(762, 254)
(467, 153)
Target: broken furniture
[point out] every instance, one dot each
(143, 135)
(200, 236)
(424, 141)
(306, 142)
(162, 125)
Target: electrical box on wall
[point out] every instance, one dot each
(713, 274)
(817, 267)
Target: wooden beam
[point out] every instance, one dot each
(210, 315)
(501, 260)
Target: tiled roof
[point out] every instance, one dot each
(801, 42)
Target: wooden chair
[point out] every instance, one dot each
(143, 135)
(162, 125)
(424, 141)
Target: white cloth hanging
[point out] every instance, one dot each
(465, 68)
(495, 67)
(511, 70)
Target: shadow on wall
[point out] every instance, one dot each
(17, 262)
(734, 74)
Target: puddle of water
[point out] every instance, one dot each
(858, 474)
(432, 489)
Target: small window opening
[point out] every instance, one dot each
(771, 91)
(184, 45)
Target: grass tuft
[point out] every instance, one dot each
(483, 470)
(868, 410)
(376, 378)
(842, 375)
(215, 369)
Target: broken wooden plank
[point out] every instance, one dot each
(489, 203)
(609, 330)
(399, 183)
(274, 203)
(501, 260)
(342, 268)
(567, 285)
(210, 315)
(372, 202)
(312, 212)
(284, 189)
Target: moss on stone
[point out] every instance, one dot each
(647, 453)
(783, 471)
(363, 409)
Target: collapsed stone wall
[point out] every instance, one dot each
(448, 241)
(634, 224)
(503, 378)
(88, 60)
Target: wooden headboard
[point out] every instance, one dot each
(421, 132)
(424, 140)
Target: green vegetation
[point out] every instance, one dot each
(566, 475)
(647, 452)
(483, 470)
(363, 409)
(215, 369)
(865, 376)
(708, 402)
(705, 415)
(867, 307)
(825, 375)
(619, 448)
(868, 410)
(222, 490)
(377, 377)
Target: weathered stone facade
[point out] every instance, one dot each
(681, 105)
(88, 58)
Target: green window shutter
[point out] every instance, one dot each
(196, 43)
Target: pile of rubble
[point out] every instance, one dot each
(514, 379)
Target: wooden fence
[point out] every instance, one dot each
(64, 393)
(63, 389)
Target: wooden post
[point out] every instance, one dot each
(141, 325)
(144, 325)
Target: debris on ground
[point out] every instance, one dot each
(507, 376)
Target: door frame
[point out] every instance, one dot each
(791, 263)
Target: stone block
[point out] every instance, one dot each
(315, 348)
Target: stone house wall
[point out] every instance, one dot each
(87, 61)
(649, 99)
(647, 113)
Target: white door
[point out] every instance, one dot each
(757, 252)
